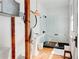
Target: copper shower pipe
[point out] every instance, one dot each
(27, 29)
(13, 36)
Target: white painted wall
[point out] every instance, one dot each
(5, 31)
(20, 36)
(5, 35)
(57, 19)
(58, 23)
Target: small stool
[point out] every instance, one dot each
(66, 56)
(67, 51)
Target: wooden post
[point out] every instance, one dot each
(27, 29)
(13, 36)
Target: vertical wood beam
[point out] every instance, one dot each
(27, 29)
(13, 36)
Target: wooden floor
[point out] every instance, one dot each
(45, 53)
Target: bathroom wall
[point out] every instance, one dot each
(5, 35)
(57, 20)
(5, 31)
(58, 23)
(20, 37)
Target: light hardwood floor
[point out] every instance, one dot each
(45, 53)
